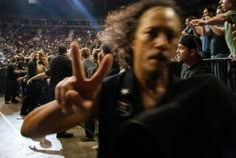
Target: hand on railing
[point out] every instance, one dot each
(232, 57)
(198, 22)
(29, 81)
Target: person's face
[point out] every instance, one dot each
(35, 56)
(155, 40)
(219, 11)
(187, 22)
(93, 57)
(225, 4)
(205, 12)
(183, 53)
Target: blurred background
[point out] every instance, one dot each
(74, 9)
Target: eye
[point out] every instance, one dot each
(171, 35)
(151, 33)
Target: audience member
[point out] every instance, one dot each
(206, 34)
(33, 91)
(229, 18)
(59, 68)
(188, 52)
(219, 48)
(11, 81)
(89, 69)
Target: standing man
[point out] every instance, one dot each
(11, 81)
(31, 98)
(59, 68)
(89, 69)
(188, 53)
(206, 34)
(147, 32)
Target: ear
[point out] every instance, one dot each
(132, 43)
(192, 51)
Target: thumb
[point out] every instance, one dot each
(71, 98)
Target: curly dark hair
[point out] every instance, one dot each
(120, 26)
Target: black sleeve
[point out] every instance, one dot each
(47, 72)
(32, 68)
(198, 122)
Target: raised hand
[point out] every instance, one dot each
(78, 92)
(29, 81)
(197, 22)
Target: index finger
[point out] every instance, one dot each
(77, 67)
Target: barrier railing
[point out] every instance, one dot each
(225, 70)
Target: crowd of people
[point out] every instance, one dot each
(20, 41)
(24, 40)
(162, 99)
(214, 29)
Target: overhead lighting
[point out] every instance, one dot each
(32, 1)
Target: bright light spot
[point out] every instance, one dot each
(32, 1)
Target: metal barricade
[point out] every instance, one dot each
(224, 70)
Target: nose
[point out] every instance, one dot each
(161, 40)
(178, 52)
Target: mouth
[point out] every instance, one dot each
(222, 6)
(158, 57)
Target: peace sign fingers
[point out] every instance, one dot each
(77, 67)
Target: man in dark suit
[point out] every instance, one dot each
(59, 68)
(145, 32)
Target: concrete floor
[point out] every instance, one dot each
(13, 145)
